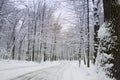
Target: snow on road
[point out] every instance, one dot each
(51, 73)
(11, 69)
(59, 70)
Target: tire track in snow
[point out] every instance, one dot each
(56, 74)
(14, 68)
(51, 73)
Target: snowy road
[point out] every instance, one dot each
(59, 70)
(51, 73)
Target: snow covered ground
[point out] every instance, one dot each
(59, 70)
(10, 69)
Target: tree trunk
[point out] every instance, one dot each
(88, 53)
(112, 13)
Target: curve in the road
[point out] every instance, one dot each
(51, 73)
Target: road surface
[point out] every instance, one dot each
(51, 73)
(62, 70)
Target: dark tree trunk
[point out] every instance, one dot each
(112, 13)
(13, 49)
(88, 54)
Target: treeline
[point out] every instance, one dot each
(26, 34)
(34, 33)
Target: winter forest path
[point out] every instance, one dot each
(63, 71)
(57, 70)
(50, 73)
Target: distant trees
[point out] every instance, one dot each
(24, 32)
(8, 22)
(40, 17)
(32, 33)
(84, 25)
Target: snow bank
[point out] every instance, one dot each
(74, 72)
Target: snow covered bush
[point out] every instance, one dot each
(107, 44)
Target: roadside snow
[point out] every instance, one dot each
(83, 73)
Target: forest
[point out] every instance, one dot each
(86, 31)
